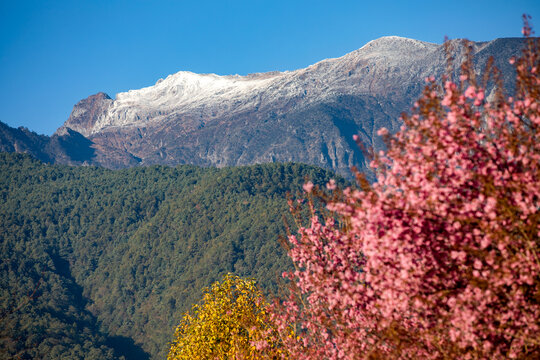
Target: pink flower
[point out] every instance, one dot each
(470, 92)
(308, 187)
(331, 185)
(438, 258)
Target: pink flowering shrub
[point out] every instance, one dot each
(440, 257)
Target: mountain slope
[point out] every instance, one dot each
(70, 147)
(116, 257)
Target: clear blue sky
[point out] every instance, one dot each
(55, 53)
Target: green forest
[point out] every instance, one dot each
(101, 264)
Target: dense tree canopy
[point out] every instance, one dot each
(116, 257)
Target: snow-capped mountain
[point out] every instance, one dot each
(307, 115)
(211, 96)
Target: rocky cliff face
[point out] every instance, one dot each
(308, 115)
(85, 113)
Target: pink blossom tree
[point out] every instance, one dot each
(440, 257)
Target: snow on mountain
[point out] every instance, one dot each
(211, 96)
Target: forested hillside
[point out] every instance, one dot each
(101, 264)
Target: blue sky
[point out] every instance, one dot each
(55, 53)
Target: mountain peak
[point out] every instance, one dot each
(396, 44)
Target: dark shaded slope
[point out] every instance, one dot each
(22, 140)
(69, 147)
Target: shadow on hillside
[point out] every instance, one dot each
(126, 347)
(122, 346)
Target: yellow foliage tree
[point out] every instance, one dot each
(231, 322)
